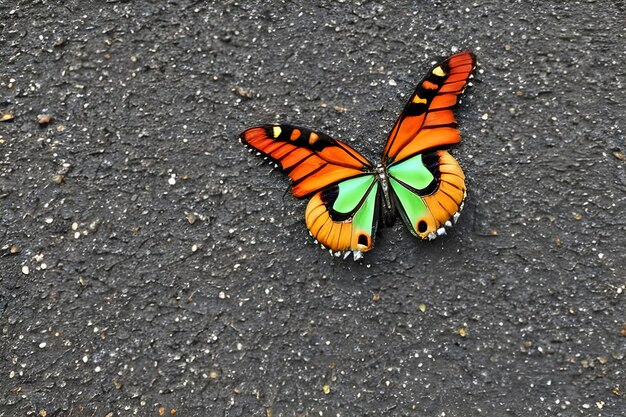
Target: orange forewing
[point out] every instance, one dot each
(312, 160)
(429, 108)
(428, 139)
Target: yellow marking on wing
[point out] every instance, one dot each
(417, 100)
(276, 130)
(313, 137)
(439, 72)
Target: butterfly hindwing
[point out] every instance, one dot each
(427, 120)
(343, 217)
(312, 160)
(428, 190)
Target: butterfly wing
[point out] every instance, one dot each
(342, 212)
(427, 120)
(427, 185)
(428, 190)
(312, 160)
(343, 217)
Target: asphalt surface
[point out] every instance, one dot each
(151, 266)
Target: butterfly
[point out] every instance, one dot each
(416, 177)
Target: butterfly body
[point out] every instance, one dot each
(416, 177)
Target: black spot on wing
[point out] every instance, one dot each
(431, 162)
(415, 109)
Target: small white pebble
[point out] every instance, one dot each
(239, 346)
(586, 406)
(76, 235)
(43, 266)
(85, 359)
(25, 270)
(172, 180)
(49, 220)
(392, 82)
(600, 255)
(98, 369)
(194, 248)
(221, 295)
(42, 345)
(74, 226)
(484, 116)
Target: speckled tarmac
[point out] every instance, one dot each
(150, 266)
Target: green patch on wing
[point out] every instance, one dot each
(351, 192)
(412, 204)
(364, 217)
(412, 172)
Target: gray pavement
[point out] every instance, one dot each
(150, 266)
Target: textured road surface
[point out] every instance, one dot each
(151, 266)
